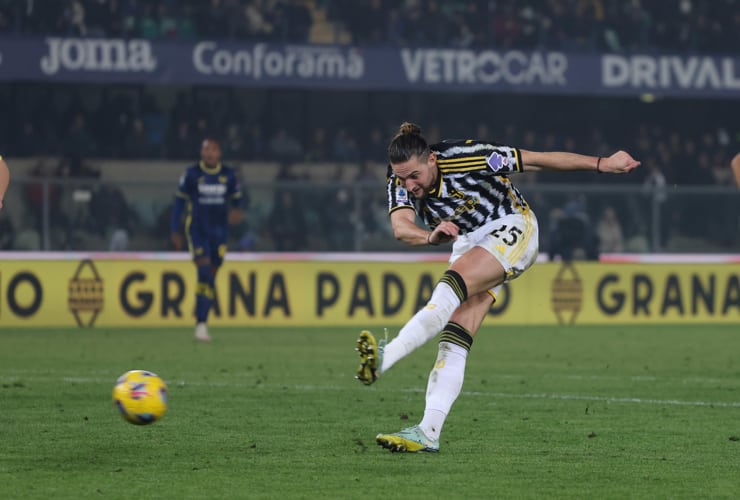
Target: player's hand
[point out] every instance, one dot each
(445, 232)
(619, 163)
(177, 241)
(235, 216)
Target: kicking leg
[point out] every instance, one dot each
(475, 272)
(376, 357)
(445, 380)
(447, 296)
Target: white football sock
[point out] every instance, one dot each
(423, 326)
(445, 384)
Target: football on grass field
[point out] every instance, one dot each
(140, 396)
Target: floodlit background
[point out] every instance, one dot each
(305, 94)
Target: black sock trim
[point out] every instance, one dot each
(456, 334)
(454, 280)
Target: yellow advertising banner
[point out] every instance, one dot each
(158, 292)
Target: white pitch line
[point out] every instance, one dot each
(607, 399)
(317, 388)
(728, 382)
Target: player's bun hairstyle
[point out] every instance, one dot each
(407, 143)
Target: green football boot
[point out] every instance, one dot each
(409, 440)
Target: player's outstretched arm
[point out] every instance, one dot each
(619, 163)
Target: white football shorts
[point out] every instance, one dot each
(513, 240)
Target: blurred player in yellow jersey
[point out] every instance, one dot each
(210, 197)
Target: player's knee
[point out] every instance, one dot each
(455, 281)
(205, 290)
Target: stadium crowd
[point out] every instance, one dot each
(64, 120)
(553, 24)
(169, 19)
(133, 124)
(78, 124)
(677, 25)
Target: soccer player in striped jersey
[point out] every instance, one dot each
(462, 191)
(212, 196)
(4, 180)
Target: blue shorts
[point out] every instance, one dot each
(213, 248)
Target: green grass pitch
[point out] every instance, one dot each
(546, 412)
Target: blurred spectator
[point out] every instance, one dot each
(181, 143)
(137, 143)
(318, 150)
(339, 218)
(148, 24)
(168, 24)
(185, 28)
(78, 141)
(234, 145)
(292, 21)
(73, 18)
(29, 237)
(571, 235)
(256, 23)
(609, 231)
(655, 183)
(248, 240)
(285, 147)
(7, 231)
(118, 240)
(255, 143)
(154, 124)
(110, 211)
(286, 222)
(212, 19)
(39, 192)
(345, 146)
(366, 182)
(376, 147)
(28, 141)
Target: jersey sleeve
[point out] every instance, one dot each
(184, 186)
(234, 191)
(398, 196)
(468, 155)
(503, 159)
(182, 197)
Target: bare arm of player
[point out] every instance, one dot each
(236, 216)
(735, 164)
(619, 163)
(4, 180)
(178, 242)
(403, 222)
(178, 207)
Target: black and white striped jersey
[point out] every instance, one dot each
(472, 188)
